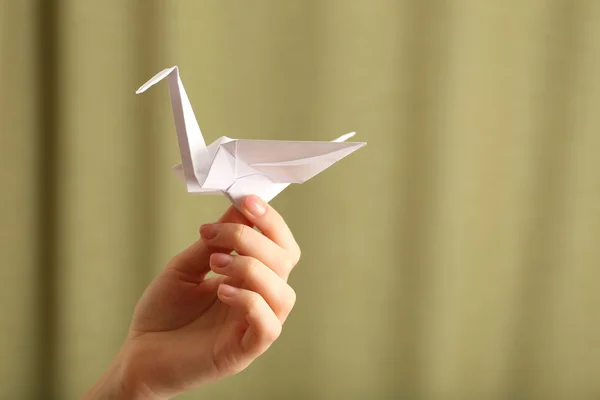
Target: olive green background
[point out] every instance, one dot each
(457, 256)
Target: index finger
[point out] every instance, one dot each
(193, 261)
(271, 224)
(233, 215)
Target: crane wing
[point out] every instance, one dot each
(288, 161)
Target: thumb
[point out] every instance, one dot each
(193, 262)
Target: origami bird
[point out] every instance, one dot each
(240, 167)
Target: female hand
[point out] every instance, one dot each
(187, 329)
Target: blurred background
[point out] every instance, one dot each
(457, 256)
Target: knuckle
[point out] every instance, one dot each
(289, 298)
(240, 232)
(254, 302)
(290, 260)
(297, 255)
(250, 267)
(272, 331)
(287, 264)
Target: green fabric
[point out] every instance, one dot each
(456, 256)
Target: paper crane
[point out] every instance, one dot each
(240, 167)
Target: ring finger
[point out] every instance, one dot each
(257, 277)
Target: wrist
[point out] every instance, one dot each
(117, 383)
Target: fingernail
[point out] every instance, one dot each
(209, 231)
(227, 291)
(219, 260)
(255, 206)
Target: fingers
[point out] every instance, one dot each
(264, 326)
(233, 215)
(257, 277)
(276, 247)
(192, 262)
(248, 242)
(271, 224)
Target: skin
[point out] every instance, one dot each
(188, 330)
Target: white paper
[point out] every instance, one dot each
(240, 167)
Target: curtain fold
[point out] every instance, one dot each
(456, 256)
(19, 287)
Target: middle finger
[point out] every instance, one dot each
(258, 278)
(247, 242)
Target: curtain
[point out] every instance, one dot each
(456, 256)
